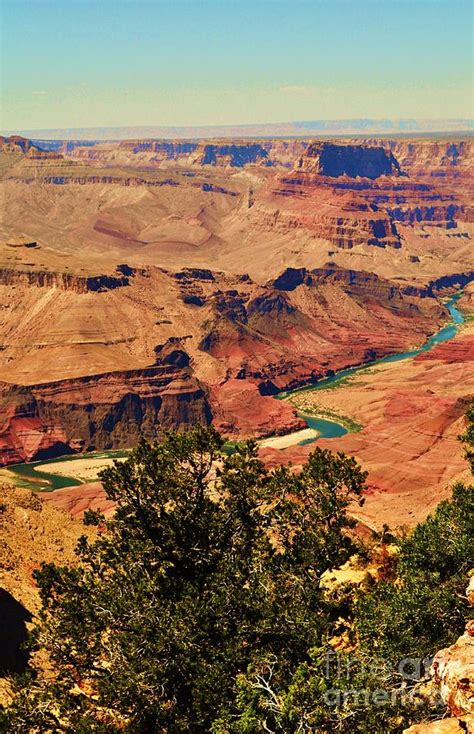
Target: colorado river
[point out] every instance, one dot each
(333, 429)
(34, 475)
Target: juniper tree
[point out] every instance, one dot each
(210, 565)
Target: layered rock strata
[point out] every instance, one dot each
(104, 411)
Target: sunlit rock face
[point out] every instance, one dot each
(445, 726)
(453, 670)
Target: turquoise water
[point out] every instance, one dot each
(325, 428)
(332, 429)
(40, 479)
(33, 478)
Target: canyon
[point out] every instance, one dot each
(149, 284)
(409, 415)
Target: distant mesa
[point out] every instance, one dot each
(233, 155)
(18, 144)
(330, 159)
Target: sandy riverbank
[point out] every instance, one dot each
(83, 469)
(291, 439)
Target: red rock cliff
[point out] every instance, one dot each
(103, 411)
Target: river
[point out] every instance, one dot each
(332, 429)
(30, 475)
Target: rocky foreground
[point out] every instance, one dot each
(453, 672)
(31, 532)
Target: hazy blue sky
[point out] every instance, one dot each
(133, 62)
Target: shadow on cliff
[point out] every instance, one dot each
(13, 633)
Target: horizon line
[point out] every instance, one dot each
(292, 128)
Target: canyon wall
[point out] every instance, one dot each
(429, 158)
(64, 281)
(244, 342)
(367, 194)
(103, 411)
(274, 262)
(233, 154)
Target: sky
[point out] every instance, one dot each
(76, 63)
